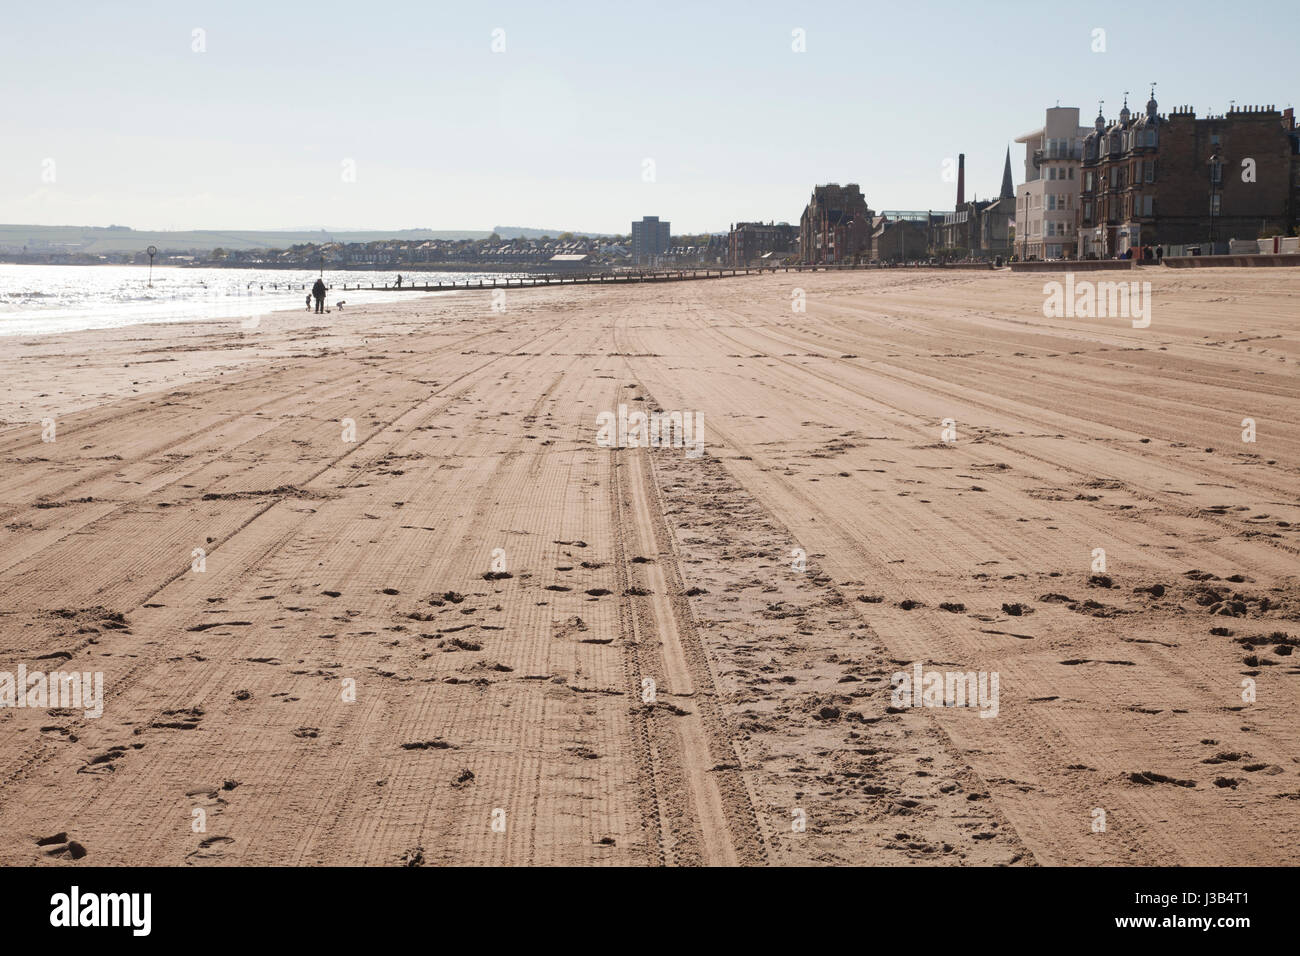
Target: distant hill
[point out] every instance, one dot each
(524, 232)
(117, 239)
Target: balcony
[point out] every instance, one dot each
(1057, 151)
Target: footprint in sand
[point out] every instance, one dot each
(60, 845)
(211, 848)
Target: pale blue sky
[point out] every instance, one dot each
(446, 134)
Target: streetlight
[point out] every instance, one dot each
(1216, 166)
(153, 251)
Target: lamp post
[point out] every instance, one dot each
(152, 251)
(1216, 166)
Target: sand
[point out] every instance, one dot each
(431, 645)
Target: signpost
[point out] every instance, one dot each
(153, 251)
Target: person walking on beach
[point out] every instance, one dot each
(318, 290)
(308, 301)
(399, 282)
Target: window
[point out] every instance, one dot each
(1216, 172)
(1071, 172)
(1150, 169)
(1147, 205)
(1087, 181)
(1215, 204)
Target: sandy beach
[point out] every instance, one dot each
(474, 635)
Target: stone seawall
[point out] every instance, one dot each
(1074, 265)
(1248, 261)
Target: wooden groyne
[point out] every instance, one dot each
(590, 278)
(617, 278)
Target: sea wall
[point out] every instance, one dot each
(1248, 261)
(1074, 265)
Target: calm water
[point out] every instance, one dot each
(44, 299)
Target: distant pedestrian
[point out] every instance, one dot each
(318, 292)
(1160, 253)
(308, 301)
(399, 282)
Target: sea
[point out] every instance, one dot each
(44, 299)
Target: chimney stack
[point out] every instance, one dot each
(961, 180)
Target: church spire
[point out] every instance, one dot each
(1008, 187)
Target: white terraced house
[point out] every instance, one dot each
(1047, 202)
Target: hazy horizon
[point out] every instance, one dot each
(188, 117)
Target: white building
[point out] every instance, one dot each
(1047, 203)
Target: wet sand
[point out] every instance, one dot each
(473, 635)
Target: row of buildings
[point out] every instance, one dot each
(1151, 179)
(837, 226)
(1122, 187)
(493, 253)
